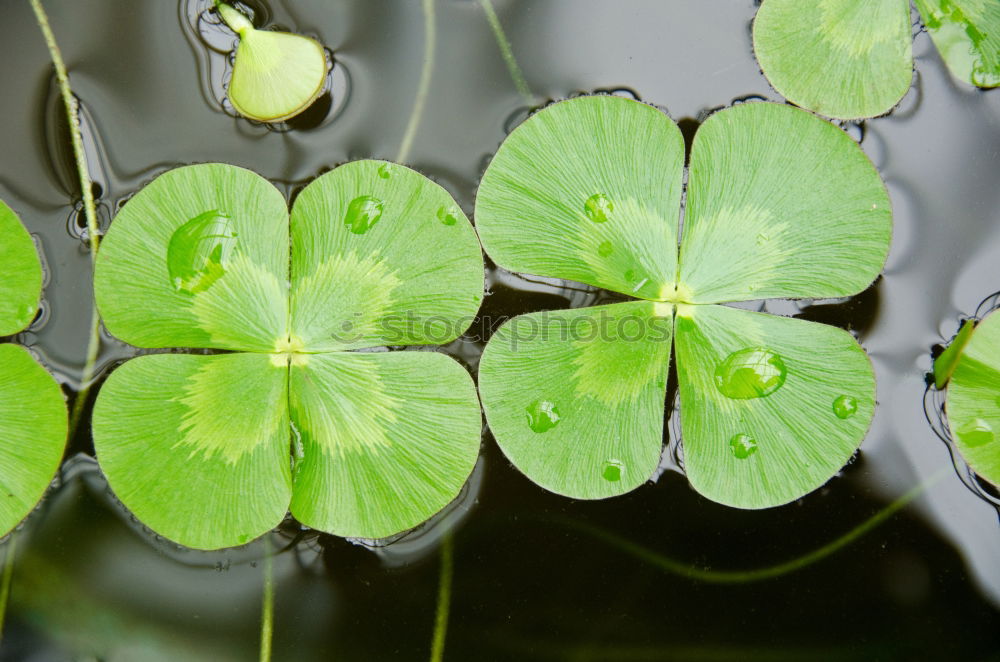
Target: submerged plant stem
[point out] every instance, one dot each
(424, 86)
(759, 574)
(93, 231)
(267, 606)
(444, 597)
(5, 581)
(508, 54)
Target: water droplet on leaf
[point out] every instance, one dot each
(753, 372)
(845, 406)
(597, 207)
(976, 432)
(362, 214)
(742, 445)
(613, 470)
(542, 415)
(447, 216)
(385, 171)
(605, 249)
(199, 250)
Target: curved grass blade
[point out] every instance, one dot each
(967, 35)
(198, 258)
(846, 59)
(973, 400)
(575, 398)
(276, 75)
(944, 365)
(381, 255)
(588, 190)
(383, 439)
(33, 427)
(21, 277)
(771, 407)
(780, 204)
(197, 447)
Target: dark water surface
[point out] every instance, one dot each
(529, 584)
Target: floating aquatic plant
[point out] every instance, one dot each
(276, 75)
(212, 450)
(33, 417)
(970, 367)
(850, 59)
(779, 204)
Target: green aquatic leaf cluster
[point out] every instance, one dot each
(276, 75)
(852, 59)
(779, 204)
(212, 449)
(970, 367)
(33, 416)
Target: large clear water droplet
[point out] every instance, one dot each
(845, 406)
(598, 207)
(753, 372)
(199, 251)
(742, 445)
(613, 470)
(362, 214)
(976, 432)
(447, 216)
(542, 415)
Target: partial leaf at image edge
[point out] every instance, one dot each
(973, 400)
(781, 204)
(21, 277)
(840, 58)
(381, 255)
(33, 428)
(197, 447)
(967, 35)
(383, 440)
(771, 407)
(587, 190)
(198, 258)
(575, 398)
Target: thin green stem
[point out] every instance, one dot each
(424, 86)
(508, 54)
(86, 189)
(758, 574)
(267, 606)
(444, 597)
(5, 581)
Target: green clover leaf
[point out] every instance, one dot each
(779, 204)
(971, 368)
(212, 450)
(33, 416)
(276, 75)
(850, 59)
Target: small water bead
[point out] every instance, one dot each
(845, 406)
(362, 213)
(605, 248)
(976, 432)
(199, 250)
(753, 372)
(742, 445)
(447, 216)
(385, 171)
(613, 470)
(598, 207)
(542, 415)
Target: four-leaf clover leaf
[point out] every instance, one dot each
(33, 416)
(849, 59)
(212, 450)
(780, 203)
